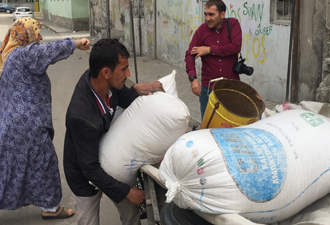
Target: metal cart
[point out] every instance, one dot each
(158, 211)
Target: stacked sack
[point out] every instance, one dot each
(266, 171)
(143, 133)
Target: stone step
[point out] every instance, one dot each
(38, 15)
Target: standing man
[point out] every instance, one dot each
(96, 96)
(217, 51)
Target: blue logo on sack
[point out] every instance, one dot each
(255, 159)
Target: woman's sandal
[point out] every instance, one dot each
(64, 213)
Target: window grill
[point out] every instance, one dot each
(281, 11)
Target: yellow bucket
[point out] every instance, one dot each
(232, 103)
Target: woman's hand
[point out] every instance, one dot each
(82, 44)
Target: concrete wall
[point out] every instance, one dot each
(80, 8)
(72, 14)
(119, 20)
(323, 91)
(144, 14)
(97, 15)
(60, 9)
(176, 23)
(265, 47)
(312, 30)
(120, 23)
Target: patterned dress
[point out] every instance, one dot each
(29, 173)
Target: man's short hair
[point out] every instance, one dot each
(105, 53)
(218, 3)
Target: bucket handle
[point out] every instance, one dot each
(216, 106)
(211, 81)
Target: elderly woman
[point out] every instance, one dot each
(29, 173)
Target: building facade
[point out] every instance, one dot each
(72, 14)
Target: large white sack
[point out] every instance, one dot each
(169, 86)
(142, 134)
(169, 83)
(266, 171)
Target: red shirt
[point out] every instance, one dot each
(223, 55)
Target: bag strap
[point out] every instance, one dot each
(228, 32)
(228, 27)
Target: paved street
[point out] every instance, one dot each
(64, 76)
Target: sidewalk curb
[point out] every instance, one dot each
(50, 28)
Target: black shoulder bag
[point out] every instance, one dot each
(239, 67)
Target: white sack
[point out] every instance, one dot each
(142, 134)
(266, 171)
(267, 113)
(317, 213)
(169, 84)
(316, 107)
(119, 111)
(321, 108)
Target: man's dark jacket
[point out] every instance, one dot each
(85, 125)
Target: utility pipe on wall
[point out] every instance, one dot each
(292, 76)
(155, 29)
(91, 19)
(295, 54)
(133, 37)
(108, 19)
(140, 31)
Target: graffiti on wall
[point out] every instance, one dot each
(252, 41)
(179, 26)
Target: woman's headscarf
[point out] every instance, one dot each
(23, 32)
